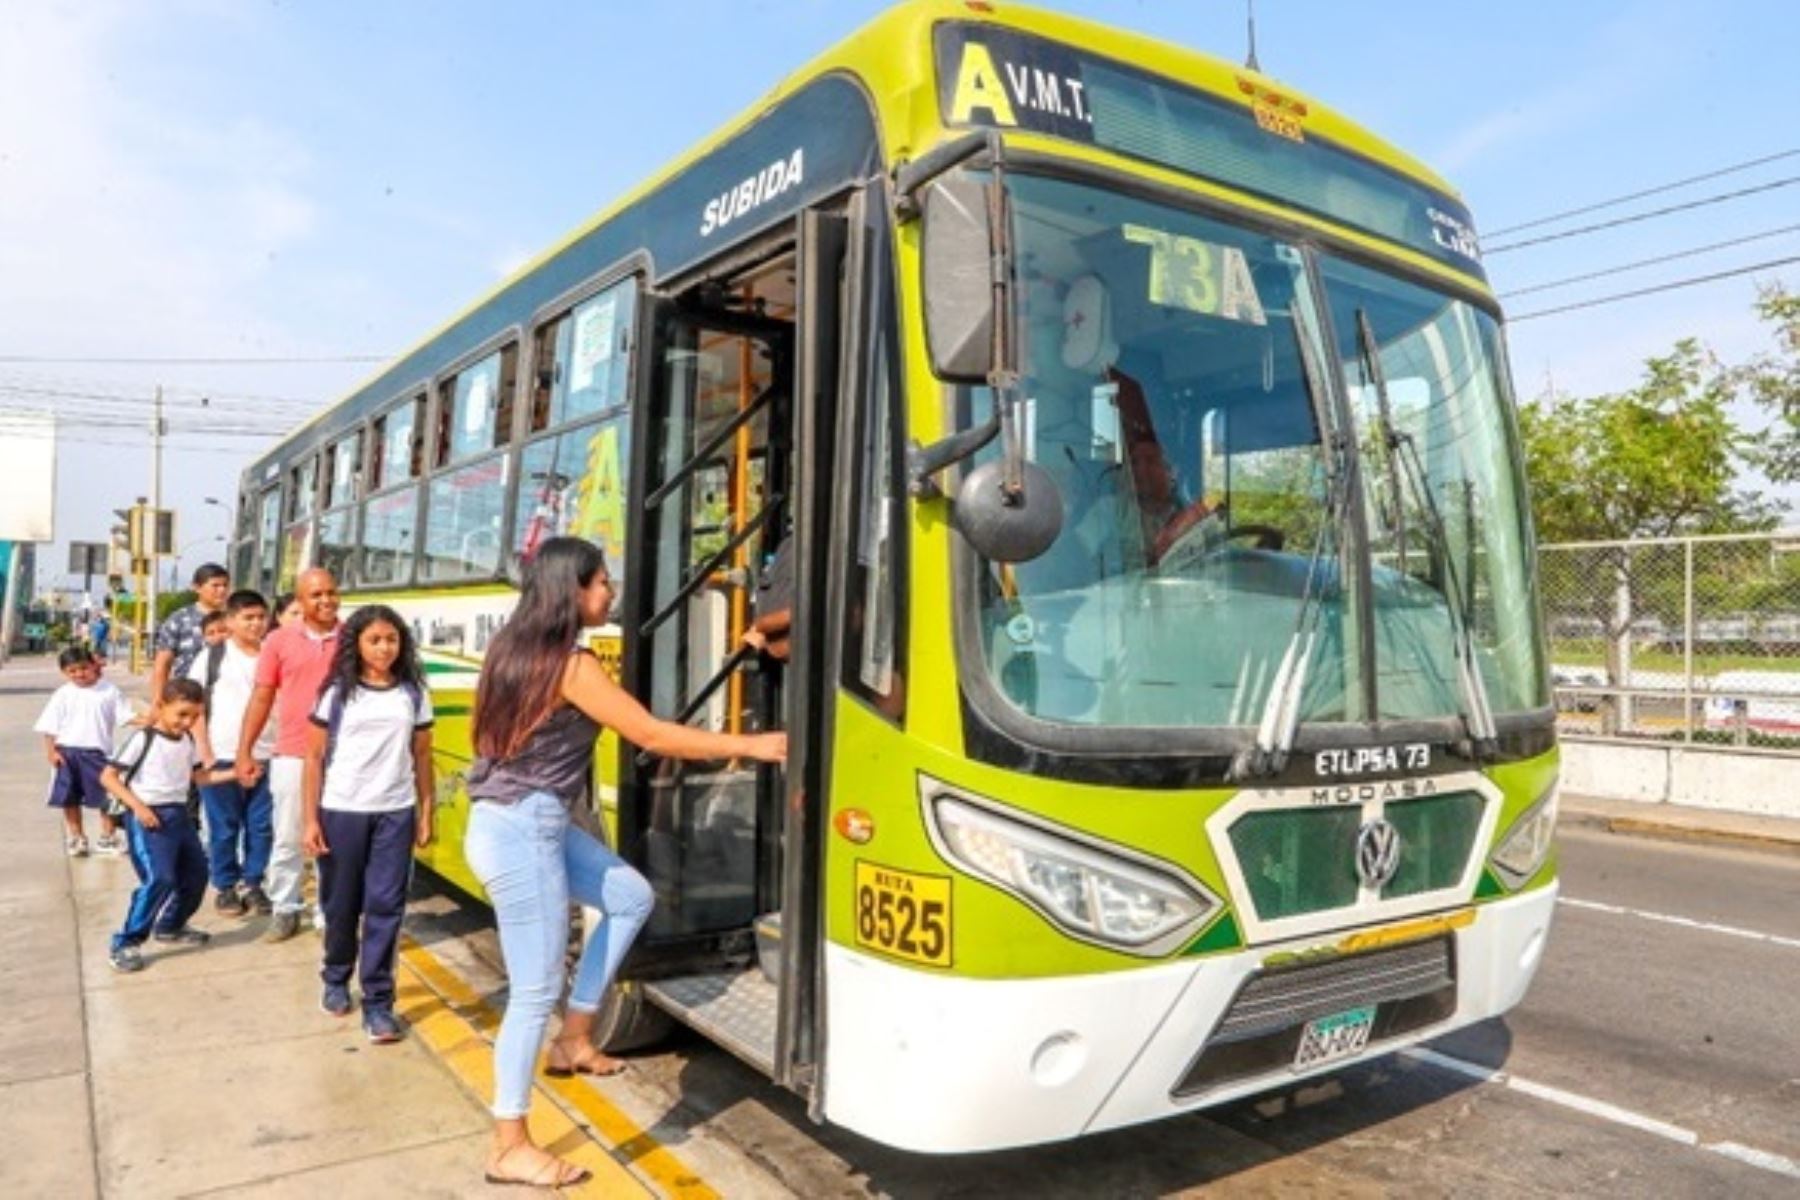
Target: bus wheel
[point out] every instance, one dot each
(627, 1020)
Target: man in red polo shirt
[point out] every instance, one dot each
(292, 667)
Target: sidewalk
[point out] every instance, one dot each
(213, 1070)
(1679, 821)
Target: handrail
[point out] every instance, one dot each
(705, 570)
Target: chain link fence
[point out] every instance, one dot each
(1681, 639)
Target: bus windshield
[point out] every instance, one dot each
(1166, 395)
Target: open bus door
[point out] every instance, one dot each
(735, 414)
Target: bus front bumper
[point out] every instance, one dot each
(942, 1064)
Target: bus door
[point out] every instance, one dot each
(735, 415)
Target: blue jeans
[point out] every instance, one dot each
(236, 813)
(532, 862)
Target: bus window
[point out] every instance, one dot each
(464, 510)
(389, 533)
(304, 492)
(574, 483)
(337, 543)
(268, 535)
(399, 445)
(874, 586)
(296, 555)
(341, 462)
(580, 364)
(475, 407)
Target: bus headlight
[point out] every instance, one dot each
(1091, 892)
(1523, 850)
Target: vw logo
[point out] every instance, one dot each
(1377, 853)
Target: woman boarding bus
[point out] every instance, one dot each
(1167, 704)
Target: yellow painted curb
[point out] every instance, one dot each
(458, 1025)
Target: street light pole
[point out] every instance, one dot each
(156, 437)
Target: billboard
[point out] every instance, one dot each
(27, 476)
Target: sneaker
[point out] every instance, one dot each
(382, 1026)
(187, 935)
(111, 845)
(229, 903)
(256, 898)
(336, 1000)
(282, 927)
(126, 959)
(77, 847)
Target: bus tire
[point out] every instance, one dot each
(627, 1021)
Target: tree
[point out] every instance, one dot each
(1773, 380)
(1662, 459)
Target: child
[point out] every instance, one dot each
(213, 630)
(150, 777)
(287, 610)
(368, 790)
(238, 818)
(78, 725)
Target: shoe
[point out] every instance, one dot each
(256, 898)
(110, 845)
(187, 935)
(282, 926)
(229, 903)
(336, 1000)
(77, 847)
(382, 1026)
(126, 959)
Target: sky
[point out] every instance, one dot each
(330, 180)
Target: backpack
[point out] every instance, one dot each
(215, 660)
(334, 716)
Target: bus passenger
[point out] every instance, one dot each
(286, 611)
(540, 705)
(369, 798)
(78, 725)
(179, 639)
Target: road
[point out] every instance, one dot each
(1657, 1054)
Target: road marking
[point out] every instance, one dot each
(1750, 1156)
(468, 1051)
(1774, 939)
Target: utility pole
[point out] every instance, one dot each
(156, 437)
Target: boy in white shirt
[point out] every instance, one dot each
(150, 777)
(78, 725)
(240, 830)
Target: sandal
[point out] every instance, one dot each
(552, 1172)
(559, 1065)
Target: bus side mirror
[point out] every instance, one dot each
(958, 251)
(1008, 525)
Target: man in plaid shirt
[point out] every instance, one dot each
(178, 641)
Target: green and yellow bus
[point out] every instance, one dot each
(1168, 699)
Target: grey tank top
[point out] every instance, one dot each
(557, 758)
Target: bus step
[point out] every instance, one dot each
(736, 1009)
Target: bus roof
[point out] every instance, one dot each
(891, 59)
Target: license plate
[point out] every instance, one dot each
(1341, 1035)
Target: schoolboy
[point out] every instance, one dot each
(78, 725)
(213, 630)
(240, 831)
(150, 776)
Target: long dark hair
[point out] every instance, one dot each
(521, 675)
(346, 666)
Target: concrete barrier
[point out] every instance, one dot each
(1695, 776)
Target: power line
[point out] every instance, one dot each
(208, 403)
(1666, 187)
(1643, 216)
(1649, 262)
(212, 361)
(1650, 291)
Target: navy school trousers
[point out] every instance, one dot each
(171, 870)
(363, 882)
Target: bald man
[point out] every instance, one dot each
(290, 671)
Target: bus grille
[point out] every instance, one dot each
(1410, 986)
(1297, 861)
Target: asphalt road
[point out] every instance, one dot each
(1658, 1054)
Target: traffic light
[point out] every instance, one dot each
(121, 533)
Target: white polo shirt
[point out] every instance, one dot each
(230, 701)
(167, 770)
(371, 765)
(84, 718)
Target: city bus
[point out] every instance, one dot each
(1168, 698)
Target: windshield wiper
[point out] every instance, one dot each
(1403, 459)
(1280, 719)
